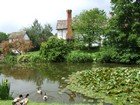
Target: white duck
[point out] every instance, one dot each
(45, 97)
(39, 91)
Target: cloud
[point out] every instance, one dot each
(16, 14)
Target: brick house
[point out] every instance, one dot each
(63, 27)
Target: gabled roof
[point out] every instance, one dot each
(61, 24)
(17, 34)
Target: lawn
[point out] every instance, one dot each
(9, 102)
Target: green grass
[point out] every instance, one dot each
(9, 102)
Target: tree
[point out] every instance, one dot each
(3, 36)
(46, 33)
(38, 33)
(21, 45)
(124, 30)
(5, 47)
(89, 25)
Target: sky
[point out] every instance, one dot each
(18, 14)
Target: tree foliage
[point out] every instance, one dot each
(21, 46)
(5, 47)
(54, 49)
(38, 33)
(89, 25)
(124, 30)
(3, 36)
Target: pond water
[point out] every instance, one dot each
(51, 78)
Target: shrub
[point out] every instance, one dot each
(23, 58)
(78, 45)
(36, 58)
(5, 47)
(113, 55)
(78, 56)
(30, 57)
(55, 49)
(10, 59)
(129, 57)
(107, 55)
(4, 90)
(21, 45)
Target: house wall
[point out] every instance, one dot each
(61, 34)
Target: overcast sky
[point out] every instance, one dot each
(17, 14)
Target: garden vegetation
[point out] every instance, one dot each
(5, 90)
(119, 86)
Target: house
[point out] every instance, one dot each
(19, 36)
(63, 27)
(15, 36)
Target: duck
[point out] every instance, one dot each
(45, 97)
(39, 91)
(25, 100)
(17, 99)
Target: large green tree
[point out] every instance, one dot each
(89, 25)
(124, 30)
(3, 36)
(39, 33)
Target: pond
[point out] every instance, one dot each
(51, 78)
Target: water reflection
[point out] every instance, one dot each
(71, 95)
(51, 78)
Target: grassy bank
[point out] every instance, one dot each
(9, 102)
(74, 56)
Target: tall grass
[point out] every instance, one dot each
(4, 90)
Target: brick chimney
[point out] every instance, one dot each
(69, 35)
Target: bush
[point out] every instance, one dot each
(4, 90)
(107, 55)
(55, 49)
(78, 56)
(78, 45)
(10, 59)
(30, 57)
(129, 57)
(113, 55)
